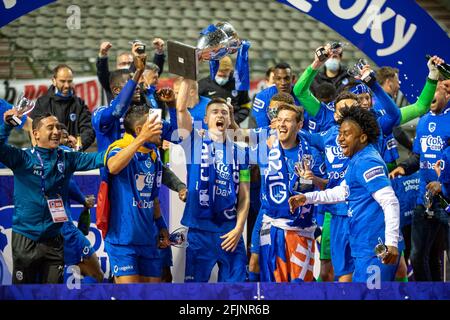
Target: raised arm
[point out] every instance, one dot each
(102, 66)
(183, 116)
(10, 156)
(423, 103)
(151, 130)
(302, 87)
(104, 116)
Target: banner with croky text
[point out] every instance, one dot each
(396, 33)
(10, 10)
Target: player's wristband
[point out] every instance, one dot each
(369, 78)
(160, 223)
(244, 175)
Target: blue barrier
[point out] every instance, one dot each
(236, 291)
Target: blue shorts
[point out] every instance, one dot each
(341, 257)
(254, 245)
(166, 257)
(128, 260)
(76, 246)
(204, 251)
(369, 269)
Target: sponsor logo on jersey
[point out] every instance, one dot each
(373, 173)
(431, 143)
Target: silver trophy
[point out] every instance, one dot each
(178, 238)
(23, 106)
(381, 250)
(301, 168)
(428, 203)
(357, 68)
(221, 40)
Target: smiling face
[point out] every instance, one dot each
(287, 126)
(218, 117)
(351, 138)
(48, 134)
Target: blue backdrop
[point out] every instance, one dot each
(396, 33)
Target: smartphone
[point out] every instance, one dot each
(158, 114)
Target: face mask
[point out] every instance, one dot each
(332, 64)
(221, 81)
(67, 96)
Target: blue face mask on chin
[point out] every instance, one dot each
(60, 94)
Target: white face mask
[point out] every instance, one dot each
(332, 64)
(220, 81)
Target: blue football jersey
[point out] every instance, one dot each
(366, 174)
(132, 193)
(198, 158)
(432, 134)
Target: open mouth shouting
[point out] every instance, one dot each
(220, 124)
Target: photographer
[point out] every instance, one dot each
(334, 71)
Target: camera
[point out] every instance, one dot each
(141, 48)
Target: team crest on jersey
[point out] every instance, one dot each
(148, 163)
(432, 126)
(373, 173)
(234, 93)
(60, 166)
(73, 117)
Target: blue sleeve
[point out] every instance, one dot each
(317, 141)
(372, 174)
(170, 129)
(104, 117)
(83, 161)
(392, 117)
(259, 112)
(75, 192)
(10, 156)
